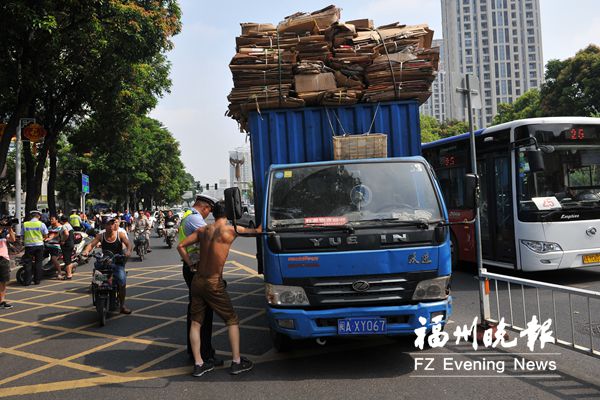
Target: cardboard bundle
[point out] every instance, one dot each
(313, 22)
(315, 59)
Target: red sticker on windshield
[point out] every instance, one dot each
(326, 221)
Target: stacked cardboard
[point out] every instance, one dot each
(315, 59)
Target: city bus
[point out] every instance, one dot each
(540, 193)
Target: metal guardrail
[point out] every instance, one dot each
(524, 304)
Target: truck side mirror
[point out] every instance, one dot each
(535, 158)
(233, 204)
(471, 191)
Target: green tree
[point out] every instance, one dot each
(430, 128)
(526, 106)
(572, 86)
(89, 51)
(141, 164)
(453, 127)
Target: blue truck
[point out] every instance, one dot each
(349, 247)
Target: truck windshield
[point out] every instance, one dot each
(352, 194)
(571, 177)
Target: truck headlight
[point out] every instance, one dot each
(541, 247)
(432, 289)
(281, 295)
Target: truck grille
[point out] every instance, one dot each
(382, 289)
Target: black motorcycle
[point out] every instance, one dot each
(105, 292)
(48, 268)
(141, 244)
(170, 233)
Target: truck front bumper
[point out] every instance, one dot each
(401, 320)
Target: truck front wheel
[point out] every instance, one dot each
(281, 342)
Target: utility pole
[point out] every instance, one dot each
(471, 82)
(18, 201)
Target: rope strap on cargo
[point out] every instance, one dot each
(396, 94)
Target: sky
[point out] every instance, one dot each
(194, 110)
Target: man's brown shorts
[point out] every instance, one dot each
(211, 292)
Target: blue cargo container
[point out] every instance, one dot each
(305, 134)
(354, 247)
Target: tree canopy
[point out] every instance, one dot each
(73, 63)
(432, 130)
(571, 88)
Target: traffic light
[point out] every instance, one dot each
(216, 186)
(207, 186)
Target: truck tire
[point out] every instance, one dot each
(282, 343)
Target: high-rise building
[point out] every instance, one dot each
(500, 42)
(435, 106)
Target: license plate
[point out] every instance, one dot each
(362, 326)
(591, 258)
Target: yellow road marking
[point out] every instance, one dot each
(157, 360)
(64, 385)
(241, 253)
(111, 376)
(244, 267)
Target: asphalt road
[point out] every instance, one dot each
(51, 347)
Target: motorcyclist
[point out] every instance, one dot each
(171, 218)
(115, 241)
(143, 226)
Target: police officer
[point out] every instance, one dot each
(34, 232)
(192, 220)
(75, 220)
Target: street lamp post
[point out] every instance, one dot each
(18, 201)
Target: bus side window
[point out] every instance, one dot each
(451, 181)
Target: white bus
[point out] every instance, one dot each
(540, 200)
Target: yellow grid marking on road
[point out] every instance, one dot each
(111, 376)
(73, 330)
(241, 253)
(152, 363)
(81, 297)
(65, 361)
(50, 361)
(244, 267)
(65, 385)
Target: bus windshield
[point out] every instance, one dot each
(356, 194)
(571, 178)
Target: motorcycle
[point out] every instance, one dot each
(80, 240)
(141, 244)
(104, 289)
(160, 229)
(170, 234)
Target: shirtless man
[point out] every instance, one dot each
(208, 287)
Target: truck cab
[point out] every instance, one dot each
(354, 247)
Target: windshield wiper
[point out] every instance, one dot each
(421, 223)
(298, 226)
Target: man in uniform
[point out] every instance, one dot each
(192, 220)
(34, 232)
(75, 220)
